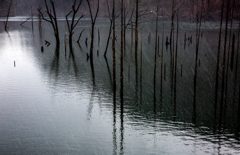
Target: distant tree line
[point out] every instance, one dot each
(211, 7)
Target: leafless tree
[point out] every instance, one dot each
(218, 59)
(52, 20)
(110, 28)
(93, 21)
(113, 49)
(224, 59)
(126, 24)
(121, 71)
(6, 22)
(73, 24)
(198, 31)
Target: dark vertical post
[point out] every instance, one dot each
(185, 39)
(161, 67)
(6, 22)
(198, 30)
(155, 59)
(93, 21)
(165, 71)
(175, 74)
(233, 49)
(136, 47)
(98, 37)
(32, 18)
(228, 56)
(236, 69)
(218, 61)
(158, 47)
(224, 61)
(113, 48)
(141, 72)
(181, 70)
(121, 72)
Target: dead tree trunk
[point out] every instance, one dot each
(78, 41)
(110, 29)
(198, 28)
(155, 57)
(6, 22)
(224, 61)
(172, 24)
(126, 24)
(161, 66)
(232, 54)
(52, 19)
(236, 67)
(228, 54)
(93, 20)
(121, 71)
(175, 74)
(113, 49)
(73, 24)
(218, 60)
(136, 46)
(141, 72)
(40, 21)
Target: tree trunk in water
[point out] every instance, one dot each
(218, 61)
(175, 74)
(224, 61)
(155, 58)
(196, 60)
(121, 72)
(91, 46)
(136, 47)
(109, 34)
(113, 49)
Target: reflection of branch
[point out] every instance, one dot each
(71, 55)
(55, 63)
(90, 107)
(80, 36)
(109, 72)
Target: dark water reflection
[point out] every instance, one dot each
(60, 103)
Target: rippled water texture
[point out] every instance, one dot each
(51, 104)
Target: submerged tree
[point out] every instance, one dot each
(218, 58)
(113, 49)
(52, 19)
(175, 8)
(6, 22)
(121, 71)
(198, 31)
(93, 22)
(73, 23)
(110, 29)
(224, 61)
(140, 12)
(125, 25)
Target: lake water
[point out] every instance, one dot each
(51, 104)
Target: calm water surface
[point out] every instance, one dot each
(51, 104)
